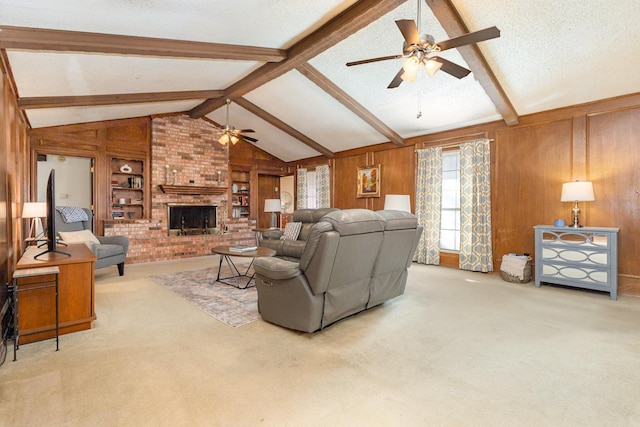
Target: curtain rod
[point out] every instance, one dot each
(456, 144)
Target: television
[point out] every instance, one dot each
(52, 243)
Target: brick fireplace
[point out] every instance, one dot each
(191, 148)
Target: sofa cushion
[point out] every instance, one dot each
(355, 221)
(291, 231)
(78, 236)
(293, 248)
(398, 220)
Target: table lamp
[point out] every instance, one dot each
(575, 192)
(34, 211)
(397, 202)
(273, 206)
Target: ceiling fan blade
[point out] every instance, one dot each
(409, 31)
(396, 80)
(452, 68)
(475, 37)
(248, 139)
(366, 61)
(246, 130)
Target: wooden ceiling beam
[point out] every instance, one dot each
(446, 13)
(76, 41)
(337, 29)
(341, 96)
(274, 121)
(116, 99)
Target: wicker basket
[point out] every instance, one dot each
(526, 278)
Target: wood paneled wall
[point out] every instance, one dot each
(596, 141)
(13, 181)
(100, 141)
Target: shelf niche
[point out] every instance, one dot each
(192, 189)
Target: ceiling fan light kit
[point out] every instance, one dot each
(421, 49)
(231, 134)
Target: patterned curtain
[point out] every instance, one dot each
(475, 207)
(323, 189)
(428, 204)
(302, 189)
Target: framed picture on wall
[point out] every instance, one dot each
(368, 181)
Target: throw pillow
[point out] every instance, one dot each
(78, 236)
(291, 231)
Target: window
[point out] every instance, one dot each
(450, 210)
(311, 190)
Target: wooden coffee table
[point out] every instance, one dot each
(226, 254)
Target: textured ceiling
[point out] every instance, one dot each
(550, 54)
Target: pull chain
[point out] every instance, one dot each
(419, 97)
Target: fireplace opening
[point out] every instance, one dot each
(189, 220)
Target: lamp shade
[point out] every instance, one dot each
(34, 210)
(578, 191)
(397, 202)
(272, 205)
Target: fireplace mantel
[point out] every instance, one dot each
(192, 189)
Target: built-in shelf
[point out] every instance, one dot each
(192, 189)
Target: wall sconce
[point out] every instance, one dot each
(577, 192)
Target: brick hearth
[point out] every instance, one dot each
(189, 146)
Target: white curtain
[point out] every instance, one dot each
(301, 189)
(475, 206)
(323, 189)
(428, 204)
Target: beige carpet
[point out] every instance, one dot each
(458, 349)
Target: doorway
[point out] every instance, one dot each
(74, 179)
(268, 188)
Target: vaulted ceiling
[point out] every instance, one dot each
(282, 64)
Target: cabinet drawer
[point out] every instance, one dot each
(575, 274)
(583, 257)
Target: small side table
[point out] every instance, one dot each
(42, 279)
(226, 253)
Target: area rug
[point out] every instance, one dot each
(232, 306)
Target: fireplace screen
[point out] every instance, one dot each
(191, 219)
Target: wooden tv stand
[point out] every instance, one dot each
(76, 282)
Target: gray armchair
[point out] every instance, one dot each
(112, 250)
(353, 259)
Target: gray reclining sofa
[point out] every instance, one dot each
(353, 259)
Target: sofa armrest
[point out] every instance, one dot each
(115, 240)
(272, 234)
(276, 268)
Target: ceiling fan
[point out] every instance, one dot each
(420, 49)
(232, 134)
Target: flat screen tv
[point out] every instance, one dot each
(52, 243)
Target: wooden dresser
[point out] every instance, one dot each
(76, 293)
(585, 257)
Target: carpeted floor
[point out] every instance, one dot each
(457, 349)
(231, 305)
